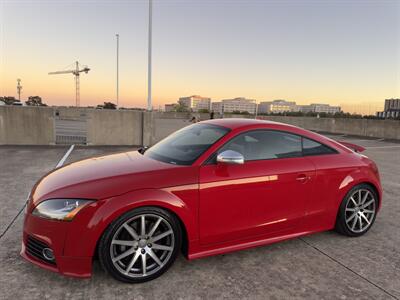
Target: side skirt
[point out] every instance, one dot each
(226, 248)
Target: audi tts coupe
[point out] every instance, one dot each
(210, 188)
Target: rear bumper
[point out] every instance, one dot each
(52, 234)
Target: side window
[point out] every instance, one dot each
(311, 147)
(264, 144)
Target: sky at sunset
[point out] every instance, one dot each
(338, 52)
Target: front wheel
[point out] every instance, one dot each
(140, 245)
(358, 210)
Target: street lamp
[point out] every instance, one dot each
(149, 104)
(117, 35)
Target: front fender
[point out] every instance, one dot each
(88, 226)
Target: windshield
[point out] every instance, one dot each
(186, 145)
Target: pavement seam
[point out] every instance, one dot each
(349, 269)
(60, 163)
(12, 221)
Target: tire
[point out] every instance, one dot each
(357, 213)
(132, 255)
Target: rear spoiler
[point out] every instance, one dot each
(353, 147)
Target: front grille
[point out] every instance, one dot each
(35, 247)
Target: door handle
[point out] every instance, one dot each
(303, 178)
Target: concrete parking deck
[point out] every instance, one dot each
(321, 266)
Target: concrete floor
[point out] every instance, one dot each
(321, 266)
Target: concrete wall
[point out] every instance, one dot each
(35, 125)
(26, 125)
(166, 123)
(107, 127)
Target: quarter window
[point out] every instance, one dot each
(263, 144)
(311, 147)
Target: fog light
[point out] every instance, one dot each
(48, 254)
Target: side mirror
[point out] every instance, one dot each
(143, 149)
(230, 157)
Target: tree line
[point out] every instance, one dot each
(32, 101)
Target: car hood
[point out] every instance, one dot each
(111, 175)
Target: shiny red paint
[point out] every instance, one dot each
(222, 207)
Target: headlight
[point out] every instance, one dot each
(60, 209)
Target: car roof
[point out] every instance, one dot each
(233, 123)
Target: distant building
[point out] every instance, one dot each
(276, 106)
(216, 107)
(326, 108)
(239, 104)
(392, 104)
(169, 107)
(391, 110)
(195, 102)
(318, 108)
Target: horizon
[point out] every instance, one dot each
(340, 53)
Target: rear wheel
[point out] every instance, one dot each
(358, 210)
(140, 245)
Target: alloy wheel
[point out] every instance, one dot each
(142, 245)
(360, 210)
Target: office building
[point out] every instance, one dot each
(391, 110)
(170, 107)
(216, 107)
(317, 108)
(276, 106)
(195, 103)
(239, 104)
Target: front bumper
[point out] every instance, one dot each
(53, 235)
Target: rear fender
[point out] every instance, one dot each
(358, 176)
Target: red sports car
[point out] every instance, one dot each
(210, 188)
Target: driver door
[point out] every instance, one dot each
(264, 195)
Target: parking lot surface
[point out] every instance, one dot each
(320, 266)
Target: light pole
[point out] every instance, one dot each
(117, 35)
(19, 88)
(149, 105)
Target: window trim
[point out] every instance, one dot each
(208, 161)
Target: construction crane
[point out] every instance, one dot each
(76, 72)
